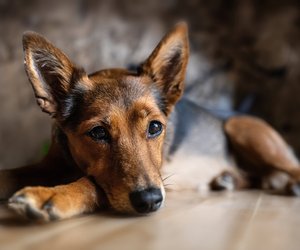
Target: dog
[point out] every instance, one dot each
(118, 134)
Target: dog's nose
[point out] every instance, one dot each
(147, 200)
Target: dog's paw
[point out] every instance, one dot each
(224, 181)
(293, 188)
(39, 203)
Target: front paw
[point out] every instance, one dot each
(38, 203)
(293, 188)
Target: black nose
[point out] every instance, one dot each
(147, 200)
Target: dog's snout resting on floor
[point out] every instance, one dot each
(117, 134)
(145, 201)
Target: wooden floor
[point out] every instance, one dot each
(239, 220)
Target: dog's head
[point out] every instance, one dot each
(115, 120)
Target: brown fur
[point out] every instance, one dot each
(82, 173)
(260, 150)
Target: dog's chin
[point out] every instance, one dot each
(129, 211)
(120, 206)
(117, 203)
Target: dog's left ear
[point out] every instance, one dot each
(167, 66)
(51, 73)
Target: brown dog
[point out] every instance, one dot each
(114, 129)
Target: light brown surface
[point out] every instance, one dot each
(239, 220)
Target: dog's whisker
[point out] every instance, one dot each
(167, 177)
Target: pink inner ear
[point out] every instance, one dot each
(49, 71)
(46, 106)
(167, 65)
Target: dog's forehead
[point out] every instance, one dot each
(128, 94)
(120, 91)
(122, 95)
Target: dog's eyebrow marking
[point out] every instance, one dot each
(143, 113)
(106, 120)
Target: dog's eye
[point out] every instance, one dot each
(155, 128)
(99, 133)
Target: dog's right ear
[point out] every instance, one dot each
(167, 66)
(50, 72)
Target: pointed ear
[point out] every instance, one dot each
(167, 66)
(50, 72)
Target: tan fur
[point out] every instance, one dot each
(133, 162)
(156, 65)
(128, 126)
(123, 104)
(262, 151)
(260, 145)
(36, 45)
(71, 199)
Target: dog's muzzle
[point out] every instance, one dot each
(146, 200)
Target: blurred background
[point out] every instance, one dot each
(245, 56)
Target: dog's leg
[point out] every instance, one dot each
(264, 150)
(59, 202)
(229, 180)
(11, 180)
(52, 170)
